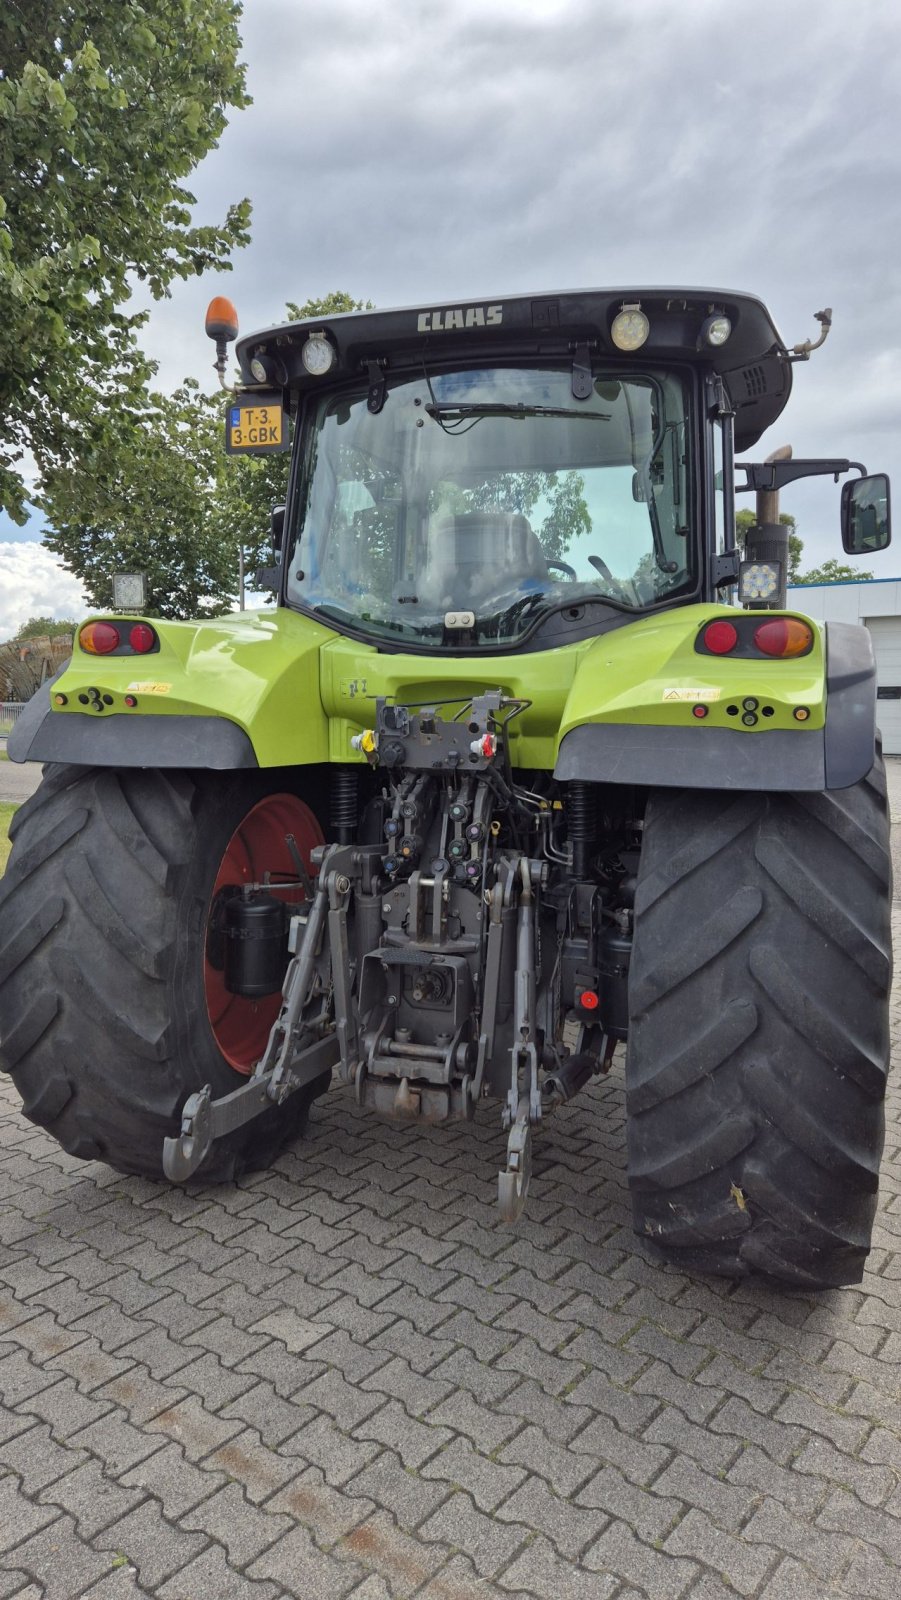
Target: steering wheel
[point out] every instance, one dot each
(563, 566)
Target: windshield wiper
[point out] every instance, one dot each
(478, 409)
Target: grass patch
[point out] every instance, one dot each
(6, 816)
(3, 756)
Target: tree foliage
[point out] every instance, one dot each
(833, 571)
(104, 111)
(172, 504)
(46, 628)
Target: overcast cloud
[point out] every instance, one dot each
(417, 152)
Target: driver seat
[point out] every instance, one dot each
(474, 555)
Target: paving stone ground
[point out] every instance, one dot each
(344, 1378)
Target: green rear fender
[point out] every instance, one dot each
(233, 691)
(647, 708)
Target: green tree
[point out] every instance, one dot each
(45, 627)
(746, 520)
(104, 111)
(172, 504)
(833, 571)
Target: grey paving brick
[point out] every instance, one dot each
(485, 1429)
(120, 1584)
(19, 1517)
(59, 1561)
(287, 1372)
(683, 1356)
(619, 1551)
(844, 1513)
(140, 1396)
(153, 1546)
(89, 1366)
(540, 1570)
(871, 1482)
(299, 1567)
(190, 1425)
(569, 1528)
(21, 1378)
(649, 1513)
(885, 1447)
(743, 1565)
(329, 1513)
(871, 1577)
(488, 1481)
(591, 1350)
(396, 1377)
(737, 1420)
(423, 1352)
(791, 1581)
(274, 1418)
(729, 1504)
(638, 1459)
(408, 1495)
(800, 1494)
(235, 1522)
(393, 1426)
(209, 1574)
(346, 1403)
(488, 1543)
(259, 1470)
(464, 1370)
(847, 1433)
(630, 1408)
(564, 1469)
(157, 1352)
(825, 1553)
(92, 1497)
(36, 1458)
(174, 1480)
(319, 1443)
(406, 1563)
(63, 1407)
(116, 1442)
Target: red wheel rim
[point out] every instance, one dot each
(241, 1026)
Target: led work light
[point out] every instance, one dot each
(758, 580)
(630, 328)
(317, 355)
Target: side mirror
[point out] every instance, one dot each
(277, 529)
(866, 515)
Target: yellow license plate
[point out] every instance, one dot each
(256, 428)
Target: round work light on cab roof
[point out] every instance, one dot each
(630, 328)
(715, 330)
(317, 355)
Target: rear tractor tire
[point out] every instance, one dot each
(759, 1036)
(111, 1013)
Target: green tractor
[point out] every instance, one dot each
(527, 761)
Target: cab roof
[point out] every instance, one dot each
(754, 363)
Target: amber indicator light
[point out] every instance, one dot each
(99, 638)
(784, 636)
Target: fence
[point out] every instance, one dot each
(10, 712)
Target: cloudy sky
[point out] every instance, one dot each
(415, 152)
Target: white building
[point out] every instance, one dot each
(876, 602)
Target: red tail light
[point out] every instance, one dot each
(99, 638)
(784, 636)
(142, 638)
(720, 638)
